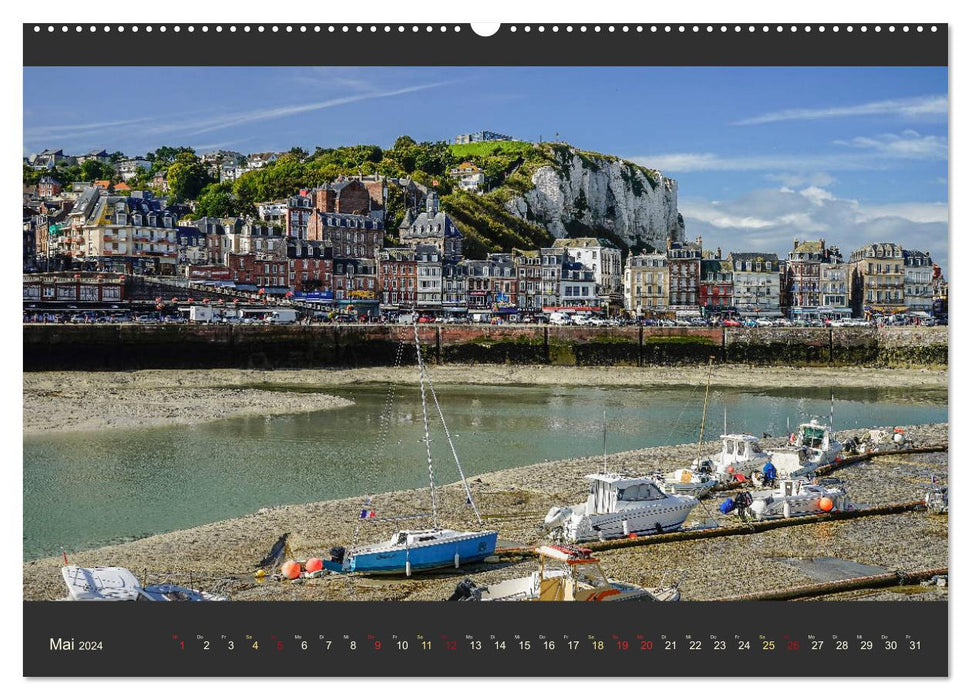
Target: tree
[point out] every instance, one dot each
(92, 170)
(187, 176)
(217, 200)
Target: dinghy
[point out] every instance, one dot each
(116, 583)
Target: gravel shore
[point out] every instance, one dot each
(222, 556)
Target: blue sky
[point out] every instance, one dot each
(762, 155)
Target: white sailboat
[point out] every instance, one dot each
(116, 583)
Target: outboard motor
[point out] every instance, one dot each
(555, 517)
(337, 554)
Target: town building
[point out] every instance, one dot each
(310, 265)
(505, 283)
(529, 268)
(470, 177)
(100, 156)
(355, 279)
(428, 264)
(552, 261)
(715, 289)
(479, 285)
(127, 168)
(123, 234)
(47, 159)
(48, 187)
(646, 284)
(918, 281)
(480, 136)
(834, 290)
(84, 288)
(253, 272)
(756, 284)
(684, 273)
(877, 280)
(299, 211)
(192, 248)
(432, 227)
(454, 275)
(603, 259)
(578, 287)
(398, 278)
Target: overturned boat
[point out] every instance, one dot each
(116, 583)
(619, 506)
(790, 499)
(566, 573)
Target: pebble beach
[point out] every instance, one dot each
(221, 557)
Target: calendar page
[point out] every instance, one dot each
(428, 350)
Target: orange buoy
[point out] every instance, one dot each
(731, 470)
(826, 503)
(291, 570)
(631, 536)
(314, 564)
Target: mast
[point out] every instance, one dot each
(704, 410)
(605, 441)
(424, 414)
(832, 401)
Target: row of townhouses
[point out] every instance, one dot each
(330, 243)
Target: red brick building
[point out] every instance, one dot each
(715, 287)
(310, 266)
(398, 277)
(249, 269)
(48, 187)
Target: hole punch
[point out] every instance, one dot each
(485, 29)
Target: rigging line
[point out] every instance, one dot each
(424, 413)
(448, 436)
(704, 410)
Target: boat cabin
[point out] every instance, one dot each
(738, 448)
(568, 572)
(612, 492)
(813, 435)
(411, 538)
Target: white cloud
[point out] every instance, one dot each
(798, 179)
(768, 220)
(908, 144)
(911, 108)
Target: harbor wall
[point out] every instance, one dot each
(129, 346)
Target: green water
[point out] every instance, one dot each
(87, 489)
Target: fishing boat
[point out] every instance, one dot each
(740, 452)
(566, 573)
(811, 446)
(116, 583)
(618, 506)
(697, 480)
(408, 551)
(790, 499)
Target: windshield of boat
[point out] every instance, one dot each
(640, 492)
(813, 437)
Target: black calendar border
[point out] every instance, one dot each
(371, 44)
(142, 639)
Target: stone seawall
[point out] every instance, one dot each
(115, 347)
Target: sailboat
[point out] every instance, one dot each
(408, 551)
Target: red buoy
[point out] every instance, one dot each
(314, 564)
(291, 570)
(826, 504)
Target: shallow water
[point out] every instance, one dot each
(91, 488)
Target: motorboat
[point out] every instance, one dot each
(566, 573)
(619, 506)
(408, 551)
(740, 452)
(697, 480)
(116, 583)
(810, 447)
(790, 499)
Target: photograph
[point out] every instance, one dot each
(473, 334)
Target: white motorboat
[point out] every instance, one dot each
(566, 573)
(697, 480)
(740, 453)
(810, 447)
(790, 499)
(116, 583)
(618, 506)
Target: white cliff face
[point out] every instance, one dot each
(602, 193)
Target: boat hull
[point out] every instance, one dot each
(470, 549)
(624, 523)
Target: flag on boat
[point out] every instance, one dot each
(367, 513)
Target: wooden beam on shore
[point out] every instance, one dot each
(891, 578)
(747, 528)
